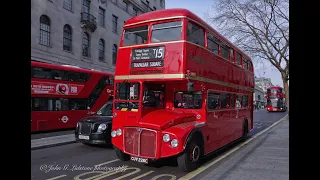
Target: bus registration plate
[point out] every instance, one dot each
(140, 160)
(83, 137)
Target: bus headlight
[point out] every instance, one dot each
(174, 143)
(102, 127)
(119, 132)
(113, 133)
(166, 138)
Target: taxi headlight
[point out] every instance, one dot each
(102, 127)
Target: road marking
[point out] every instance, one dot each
(143, 175)
(101, 173)
(173, 177)
(108, 162)
(57, 177)
(91, 172)
(126, 175)
(202, 168)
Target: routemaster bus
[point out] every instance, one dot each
(61, 95)
(275, 99)
(181, 89)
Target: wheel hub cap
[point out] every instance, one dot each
(195, 153)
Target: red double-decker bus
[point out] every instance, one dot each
(181, 89)
(275, 99)
(61, 95)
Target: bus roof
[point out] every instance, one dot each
(178, 13)
(68, 68)
(275, 87)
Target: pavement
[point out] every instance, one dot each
(52, 141)
(263, 156)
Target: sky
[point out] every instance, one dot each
(199, 7)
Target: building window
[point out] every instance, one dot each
(126, 6)
(67, 38)
(86, 45)
(101, 50)
(67, 4)
(162, 3)
(86, 6)
(114, 54)
(101, 16)
(135, 12)
(44, 30)
(114, 24)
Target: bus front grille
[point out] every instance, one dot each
(140, 142)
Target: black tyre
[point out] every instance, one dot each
(244, 131)
(189, 160)
(121, 155)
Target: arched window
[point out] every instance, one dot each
(101, 50)
(86, 45)
(67, 38)
(114, 53)
(45, 30)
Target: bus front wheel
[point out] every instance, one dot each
(121, 155)
(189, 160)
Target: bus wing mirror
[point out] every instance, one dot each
(190, 86)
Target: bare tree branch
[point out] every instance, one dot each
(260, 28)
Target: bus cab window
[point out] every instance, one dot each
(153, 95)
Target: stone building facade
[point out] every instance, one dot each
(83, 33)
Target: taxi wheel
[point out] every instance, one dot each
(121, 155)
(189, 160)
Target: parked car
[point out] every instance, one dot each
(96, 129)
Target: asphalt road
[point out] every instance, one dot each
(77, 161)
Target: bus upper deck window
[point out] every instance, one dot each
(134, 36)
(169, 31)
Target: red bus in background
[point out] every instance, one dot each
(275, 99)
(181, 89)
(61, 95)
